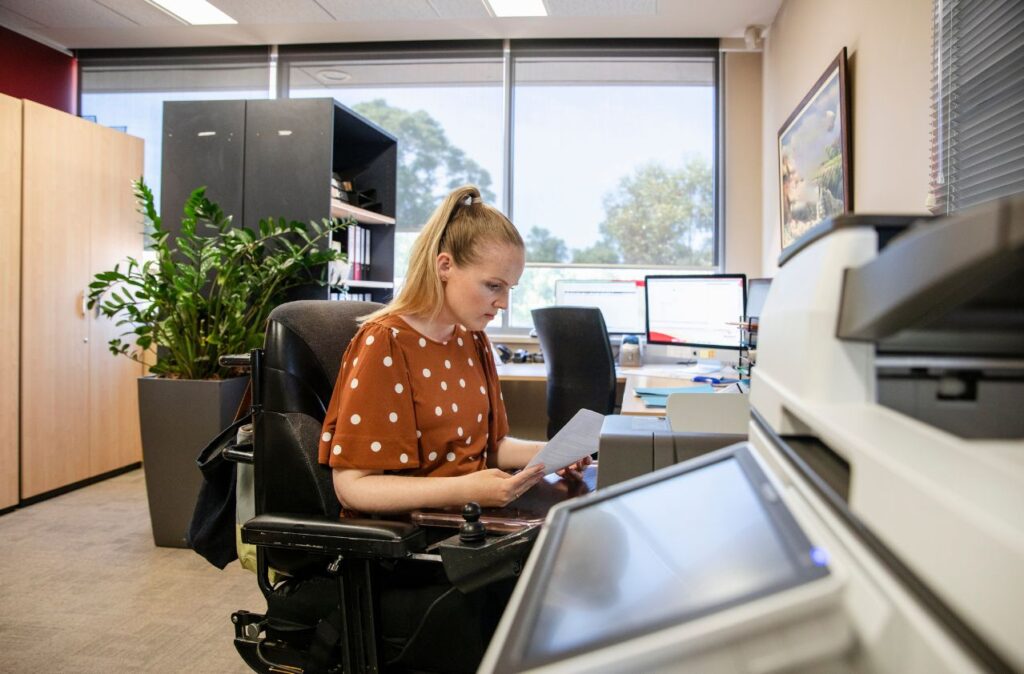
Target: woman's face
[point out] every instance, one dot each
(473, 294)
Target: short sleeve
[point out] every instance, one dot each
(498, 416)
(370, 422)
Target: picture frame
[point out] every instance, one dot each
(814, 152)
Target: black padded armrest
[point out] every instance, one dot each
(360, 537)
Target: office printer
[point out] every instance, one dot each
(872, 522)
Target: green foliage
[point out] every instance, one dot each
(661, 216)
(429, 166)
(542, 246)
(207, 295)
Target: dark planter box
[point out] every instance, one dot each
(178, 418)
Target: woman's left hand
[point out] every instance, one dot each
(574, 472)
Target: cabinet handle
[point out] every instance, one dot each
(84, 303)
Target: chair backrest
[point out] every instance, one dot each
(579, 361)
(293, 385)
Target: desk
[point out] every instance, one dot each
(632, 377)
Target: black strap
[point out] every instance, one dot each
(325, 641)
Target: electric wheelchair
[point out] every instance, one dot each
(355, 595)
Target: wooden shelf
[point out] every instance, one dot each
(364, 284)
(339, 209)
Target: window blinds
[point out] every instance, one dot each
(978, 102)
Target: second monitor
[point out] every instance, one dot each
(699, 311)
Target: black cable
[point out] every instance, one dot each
(419, 627)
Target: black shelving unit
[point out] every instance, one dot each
(275, 158)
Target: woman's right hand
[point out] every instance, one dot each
(494, 488)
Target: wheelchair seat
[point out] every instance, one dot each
(346, 594)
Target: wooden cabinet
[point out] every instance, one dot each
(274, 158)
(10, 300)
(79, 410)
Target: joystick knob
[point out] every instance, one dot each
(472, 530)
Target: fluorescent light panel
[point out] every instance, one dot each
(195, 12)
(507, 8)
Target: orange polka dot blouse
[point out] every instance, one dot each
(409, 405)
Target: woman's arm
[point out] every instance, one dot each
(514, 453)
(373, 492)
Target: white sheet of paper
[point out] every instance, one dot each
(578, 438)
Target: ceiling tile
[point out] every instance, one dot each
(68, 13)
(13, 19)
(274, 11)
(460, 9)
(141, 12)
(602, 7)
(379, 10)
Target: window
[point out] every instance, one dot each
(127, 91)
(603, 152)
(613, 165)
(444, 104)
(978, 85)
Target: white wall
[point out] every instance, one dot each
(743, 218)
(888, 45)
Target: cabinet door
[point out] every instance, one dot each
(116, 233)
(10, 270)
(288, 156)
(59, 164)
(204, 145)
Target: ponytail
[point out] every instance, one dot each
(458, 227)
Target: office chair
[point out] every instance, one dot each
(338, 590)
(579, 361)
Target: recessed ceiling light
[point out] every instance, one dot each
(507, 8)
(195, 12)
(332, 76)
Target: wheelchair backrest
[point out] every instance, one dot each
(302, 356)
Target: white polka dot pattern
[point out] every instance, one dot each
(422, 387)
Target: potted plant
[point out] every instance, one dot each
(202, 294)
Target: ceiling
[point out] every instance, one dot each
(85, 24)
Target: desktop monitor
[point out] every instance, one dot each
(674, 547)
(621, 302)
(703, 311)
(757, 292)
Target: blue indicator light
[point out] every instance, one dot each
(819, 556)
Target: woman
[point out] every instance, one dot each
(417, 418)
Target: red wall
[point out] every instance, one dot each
(34, 71)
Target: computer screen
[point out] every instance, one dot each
(621, 302)
(667, 551)
(696, 310)
(757, 292)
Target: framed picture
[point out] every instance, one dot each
(814, 155)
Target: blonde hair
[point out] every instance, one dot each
(459, 227)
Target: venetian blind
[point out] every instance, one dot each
(977, 102)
